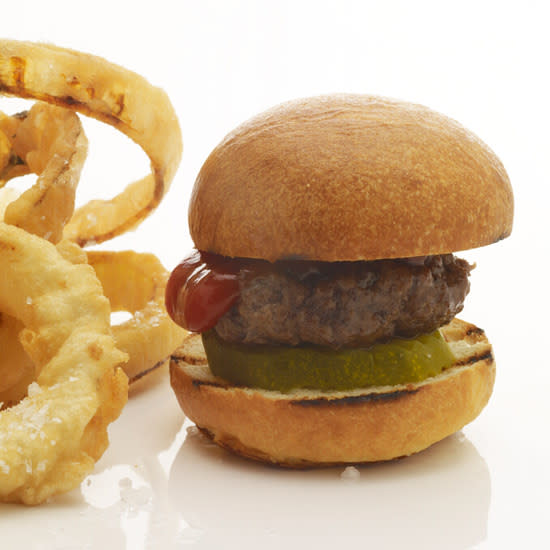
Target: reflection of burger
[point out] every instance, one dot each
(324, 285)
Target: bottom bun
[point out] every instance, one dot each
(307, 428)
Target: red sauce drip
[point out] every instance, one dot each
(201, 289)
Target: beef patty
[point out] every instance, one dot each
(345, 303)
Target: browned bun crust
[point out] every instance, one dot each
(305, 428)
(349, 177)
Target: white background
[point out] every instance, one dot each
(485, 64)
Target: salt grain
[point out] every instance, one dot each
(34, 389)
(350, 473)
(4, 467)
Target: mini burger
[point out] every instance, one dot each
(323, 290)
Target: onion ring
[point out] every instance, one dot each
(51, 439)
(5, 153)
(16, 368)
(7, 195)
(50, 141)
(105, 91)
(135, 282)
(11, 165)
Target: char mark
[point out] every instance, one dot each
(474, 331)
(354, 399)
(485, 356)
(200, 383)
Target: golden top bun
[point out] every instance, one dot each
(307, 428)
(349, 177)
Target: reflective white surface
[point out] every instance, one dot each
(164, 485)
(161, 485)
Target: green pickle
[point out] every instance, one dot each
(280, 368)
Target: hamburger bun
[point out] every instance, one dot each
(340, 178)
(391, 180)
(307, 428)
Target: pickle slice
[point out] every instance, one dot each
(309, 367)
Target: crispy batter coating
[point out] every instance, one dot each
(62, 378)
(114, 95)
(48, 141)
(51, 439)
(135, 282)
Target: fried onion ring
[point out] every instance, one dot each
(5, 153)
(51, 439)
(135, 282)
(11, 165)
(16, 368)
(97, 88)
(50, 142)
(7, 195)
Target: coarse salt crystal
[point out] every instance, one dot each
(33, 389)
(351, 473)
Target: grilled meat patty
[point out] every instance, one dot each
(342, 304)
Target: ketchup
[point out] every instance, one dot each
(201, 289)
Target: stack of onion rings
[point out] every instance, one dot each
(61, 377)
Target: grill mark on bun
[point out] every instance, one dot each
(199, 383)
(318, 401)
(485, 356)
(474, 331)
(190, 359)
(353, 399)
